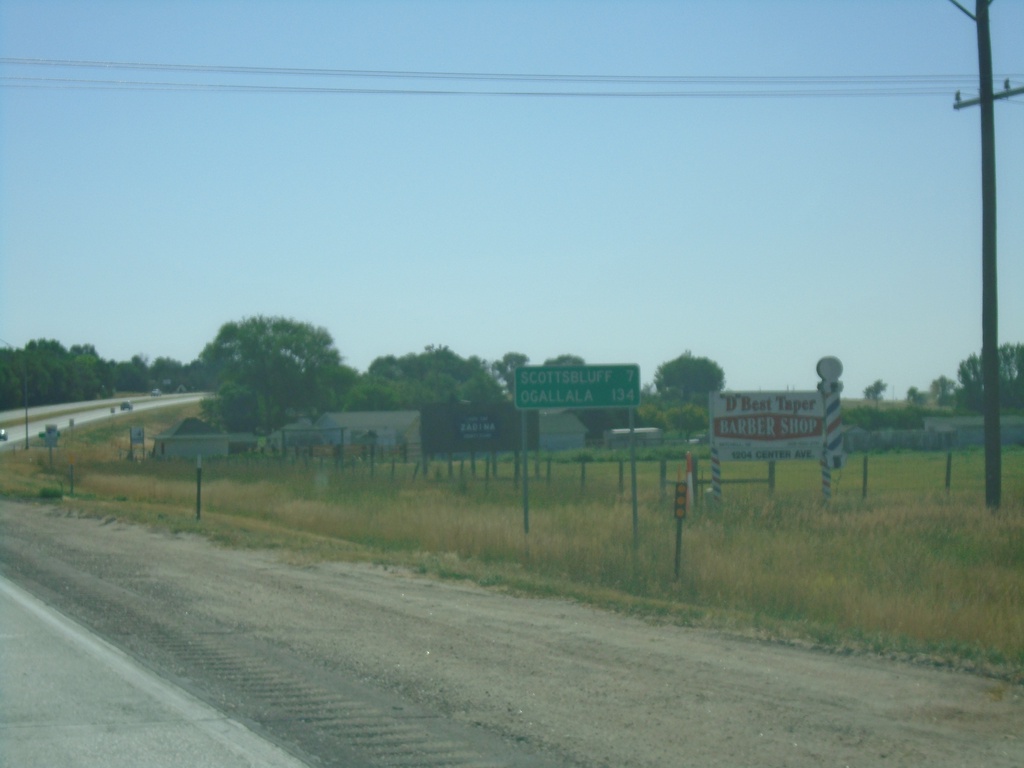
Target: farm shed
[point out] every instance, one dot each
(561, 431)
(192, 437)
(390, 430)
(298, 435)
(970, 430)
(619, 438)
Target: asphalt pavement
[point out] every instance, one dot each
(70, 699)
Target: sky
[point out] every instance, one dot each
(722, 216)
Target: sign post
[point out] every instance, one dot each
(199, 485)
(683, 502)
(557, 387)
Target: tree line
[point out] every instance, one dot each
(52, 373)
(270, 371)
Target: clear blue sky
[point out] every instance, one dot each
(760, 231)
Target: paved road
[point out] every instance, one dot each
(78, 413)
(71, 699)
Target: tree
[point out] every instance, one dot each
(132, 376)
(290, 368)
(874, 392)
(374, 393)
(436, 375)
(504, 370)
(566, 359)
(916, 396)
(943, 391)
(689, 378)
(689, 418)
(970, 394)
(236, 407)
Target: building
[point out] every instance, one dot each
(561, 431)
(391, 431)
(642, 436)
(191, 437)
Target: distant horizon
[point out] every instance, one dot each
(647, 379)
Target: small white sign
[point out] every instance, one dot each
(138, 435)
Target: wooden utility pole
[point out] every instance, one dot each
(989, 292)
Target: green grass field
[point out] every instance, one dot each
(906, 568)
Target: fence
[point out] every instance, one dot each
(867, 476)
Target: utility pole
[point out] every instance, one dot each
(989, 293)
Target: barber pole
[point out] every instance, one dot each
(716, 474)
(832, 456)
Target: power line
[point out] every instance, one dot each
(149, 85)
(626, 86)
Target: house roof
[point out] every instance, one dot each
(561, 423)
(190, 427)
(367, 420)
(952, 423)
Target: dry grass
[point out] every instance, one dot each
(916, 571)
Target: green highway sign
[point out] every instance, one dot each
(549, 387)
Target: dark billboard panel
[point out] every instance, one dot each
(474, 427)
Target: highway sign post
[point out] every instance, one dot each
(557, 387)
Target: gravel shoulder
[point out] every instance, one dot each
(586, 686)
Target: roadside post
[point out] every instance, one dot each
(50, 437)
(199, 485)
(556, 387)
(683, 502)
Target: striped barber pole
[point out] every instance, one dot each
(830, 369)
(716, 474)
(833, 428)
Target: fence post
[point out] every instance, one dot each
(864, 480)
(949, 470)
(583, 473)
(771, 477)
(698, 495)
(662, 475)
(199, 486)
(622, 477)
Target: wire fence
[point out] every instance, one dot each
(874, 476)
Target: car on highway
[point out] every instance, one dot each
(155, 393)
(126, 405)
(3, 434)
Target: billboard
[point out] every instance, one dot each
(474, 427)
(767, 426)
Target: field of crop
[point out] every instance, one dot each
(899, 561)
